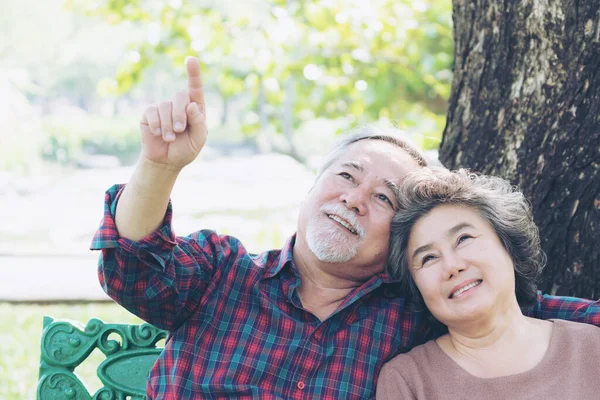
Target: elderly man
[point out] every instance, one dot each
(315, 319)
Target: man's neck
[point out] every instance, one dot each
(321, 293)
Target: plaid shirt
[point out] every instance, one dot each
(238, 326)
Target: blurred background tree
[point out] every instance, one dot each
(275, 67)
(50, 63)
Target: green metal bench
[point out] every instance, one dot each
(65, 345)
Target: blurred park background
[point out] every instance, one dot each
(282, 78)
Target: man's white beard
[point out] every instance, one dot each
(330, 243)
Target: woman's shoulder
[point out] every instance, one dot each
(575, 338)
(419, 356)
(577, 330)
(421, 373)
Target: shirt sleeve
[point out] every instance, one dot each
(160, 278)
(391, 385)
(568, 308)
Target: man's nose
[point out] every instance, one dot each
(356, 199)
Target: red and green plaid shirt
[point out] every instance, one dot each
(238, 329)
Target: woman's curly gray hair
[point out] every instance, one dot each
(504, 207)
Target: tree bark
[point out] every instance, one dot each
(525, 105)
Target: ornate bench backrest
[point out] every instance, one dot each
(65, 345)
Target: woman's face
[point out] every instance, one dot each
(460, 266)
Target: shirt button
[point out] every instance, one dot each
(301, 385)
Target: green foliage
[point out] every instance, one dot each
(57, 73)
(68, 137)
(356, 60)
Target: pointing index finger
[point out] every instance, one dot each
(195, 88)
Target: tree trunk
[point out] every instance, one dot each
(525, 105)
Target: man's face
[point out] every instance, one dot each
(345, 218)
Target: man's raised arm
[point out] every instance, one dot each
(173, 133)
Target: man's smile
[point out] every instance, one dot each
(343, 222)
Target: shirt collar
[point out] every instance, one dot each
(385, 277)
(285, 258)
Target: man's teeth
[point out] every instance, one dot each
(343, 223)
(463, 289)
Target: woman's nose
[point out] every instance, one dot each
(453, 264)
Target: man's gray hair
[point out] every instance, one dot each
(504, 207)
(371, 132)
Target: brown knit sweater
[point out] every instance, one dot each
(570, 370)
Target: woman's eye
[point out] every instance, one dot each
(464, 237)
(426, 259)
(345, 175)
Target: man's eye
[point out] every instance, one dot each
(383, 197)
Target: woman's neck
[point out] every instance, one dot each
(506, 344)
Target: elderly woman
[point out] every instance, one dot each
(467, 251)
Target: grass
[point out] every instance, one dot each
(20, 335)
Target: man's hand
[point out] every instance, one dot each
(174, 132)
